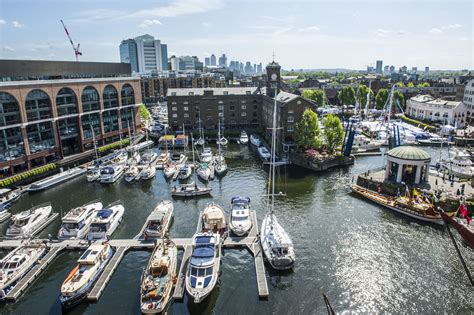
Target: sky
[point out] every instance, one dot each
(308, 34)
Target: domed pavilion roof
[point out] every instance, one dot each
(409, 153)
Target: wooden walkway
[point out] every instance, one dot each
(106, 275)
(24, 282)
(179, 288)
(251, 242)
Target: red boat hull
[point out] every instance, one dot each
(466, 234)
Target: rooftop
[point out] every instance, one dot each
(430, 100)
(67, 81)
(215, 91)
(409, 153)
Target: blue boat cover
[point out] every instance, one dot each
(207, 280)
(193, 282)
(4, 206)
(203, 252)
(203, 240)
(104, 213)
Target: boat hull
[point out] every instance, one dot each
(357, 189)
(465, 232)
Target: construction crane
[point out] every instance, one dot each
(75, 48)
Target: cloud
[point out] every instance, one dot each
(180, 7)
(435, 31)
(8, 48)
(3, 22)
(381, 32)
(309, 29)
(441, 29)
(207, 24)
(148, 23)
(17, 24)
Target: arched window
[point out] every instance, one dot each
(9, 110)
(110, 97)
(128, 95)
(38, 105)
(40, 136)
(90, 99)
(110, 119)
(66, 102)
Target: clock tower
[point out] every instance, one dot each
(273, 78)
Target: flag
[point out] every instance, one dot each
(463, 213)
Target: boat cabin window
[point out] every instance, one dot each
(99, 227)
(72, 226)
(21, 222)
(86, 253)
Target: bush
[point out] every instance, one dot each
(113, 145)
(417, 123)
(37, 171)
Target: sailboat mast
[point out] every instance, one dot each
(272, 166)
(95, 146)
(219, 138)
(194, 163)
(368, 100)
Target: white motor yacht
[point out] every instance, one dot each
(184, 172)
(17, 263)
(159, 220)
(148, 172)
(77, 221)
(132, 173)
(82, 278)
(459, 164)
(27, 223)
(240, 221)
(4, 213)
(106, 221)
(120, 157)
(213, 219)
(110, 174)
(158, 278)
(170, 170)
(178, 158)
(93, 174)
(203, 171)
(206, 155)
(148, 158)
(162, 159)
(255, 140)
(362, 143)
(204, 266)
(244, 138)
(264, 153)
(8, 196)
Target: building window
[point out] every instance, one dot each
(110, 119)
(221, 114)
(186, 115)
(220, 102)
(40, 136)
(243, 114)
(9, 110)
(291, 111)
(299, 102)
(191, 93)
(289, 129)
(173, 93)
(110, 97)
(174, 108)
(185, 103)
(232, 107)
(225, 93)
(38, 105)
(89, 122)
(247, 92)
(255, 114)
(255, 107)
(291, 119)
(11, 146)
(221, 107)
(66, 102)
(175, 115)
(173, 103)
(243, 107)
(186, 108)
(90, 99)
(243, 102)
(127, 94)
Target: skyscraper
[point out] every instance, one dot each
(207, 61)
(223, 61)
(427, 69)
(392, 69)
(213, 60)
(386, 69)
(164, 57)
(259, 68)
(128, 53)
(379, 65)
(145, 53)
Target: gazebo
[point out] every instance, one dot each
(407, 164)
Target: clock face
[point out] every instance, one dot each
(274, 76)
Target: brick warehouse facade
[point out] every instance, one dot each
(239, 108)
(48, 119)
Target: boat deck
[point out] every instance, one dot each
(41, 227)
(34, 272)
(181, 276)
(106, 275)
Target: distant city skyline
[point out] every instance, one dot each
(301, 33)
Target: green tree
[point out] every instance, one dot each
(400, 97)
(333, 132)
(308, 94)
(307, 133)
(144, 113)
(381, 98)
(424, 84)
(316, 96)
(410, 84)
(347, 95)
(362, 94)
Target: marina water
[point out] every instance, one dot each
(364, 258)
